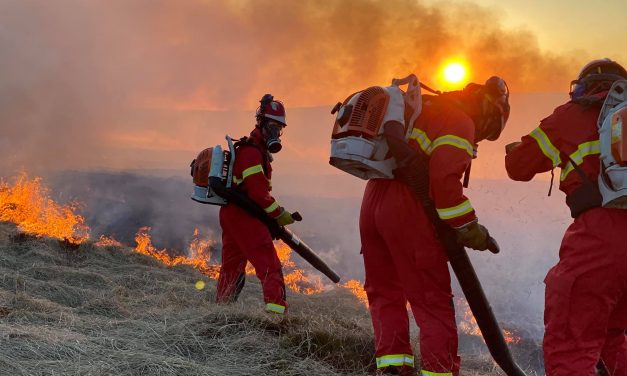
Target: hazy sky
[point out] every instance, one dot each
(590, 27)
(99, 84)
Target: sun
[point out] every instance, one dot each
(454, 73)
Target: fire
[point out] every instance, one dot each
(356, 288)
(199, 253)
(469, 324)
(106, 241)
(510, 337)
(27, 203)
(295, 278)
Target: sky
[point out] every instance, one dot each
(568, 26)
(146, 84)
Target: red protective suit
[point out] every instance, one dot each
(245, 238)
(586, 292)
(403, 259)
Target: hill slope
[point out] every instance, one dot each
(109, 310)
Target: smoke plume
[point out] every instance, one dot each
(78, 76)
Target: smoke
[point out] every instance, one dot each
(118, 204)
(77, 75)
(128, 84)
(527, 224)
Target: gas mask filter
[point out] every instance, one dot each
(273, 132)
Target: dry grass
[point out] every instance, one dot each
(111, 311)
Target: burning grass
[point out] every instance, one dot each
(120, 312)
(72, 300)
(112, 314)
(27, 203)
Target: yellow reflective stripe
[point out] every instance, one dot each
(395, 360)
(421, 138)
(455, 211)
(455, 141)
(251, 171)
(583, 150)
(546, 146)
(429, 373)
(428, 146)
(272, 207)
(247, 172)
(276, 308)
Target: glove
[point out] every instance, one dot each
(473, 235)
(285, 218)
(511, 146)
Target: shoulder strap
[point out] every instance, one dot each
(584, 178)
(412, 98)
(246, 141)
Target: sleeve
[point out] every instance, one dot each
(451, 155)
(394, 133)
(254, 181)
(536, 153)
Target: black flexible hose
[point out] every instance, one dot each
(417, 178)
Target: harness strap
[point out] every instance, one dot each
(586, 196)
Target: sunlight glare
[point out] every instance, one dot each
(454, 73)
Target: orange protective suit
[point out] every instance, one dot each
(586, 292)
(403, 259)
(245, 238)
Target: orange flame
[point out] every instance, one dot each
(296, 279)
(357, 289)
(106, 241)
(199, 253)
(510, 337)
(469, 324)
(27, 203)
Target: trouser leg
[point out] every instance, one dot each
(232, 276)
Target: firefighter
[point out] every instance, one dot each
(585, 312)
(403, 259)
(245, 238)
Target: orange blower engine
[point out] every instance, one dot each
(357, 143)
(200, 168)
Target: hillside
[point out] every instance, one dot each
(93, 310)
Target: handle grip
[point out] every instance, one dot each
(297, 217)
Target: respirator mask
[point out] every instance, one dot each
(494, 109)
(272, 133)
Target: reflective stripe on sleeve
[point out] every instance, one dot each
(455, 211)
(455, 141)
(429, 373)
(583, 150)
(546, 146)
(395, 360)
(251, 171)
(247, 172)
(276, 308)
(428, 146)
(421, 138)
(272, 207)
